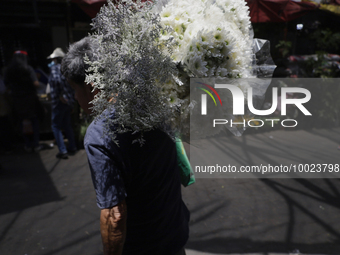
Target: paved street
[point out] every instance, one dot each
(48, 207)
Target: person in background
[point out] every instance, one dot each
(21, 81)
(5, 124)
(41, 90)
(138, 188)
(62, 97)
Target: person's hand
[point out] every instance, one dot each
(113, 228)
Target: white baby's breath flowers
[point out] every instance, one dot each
(133, 68)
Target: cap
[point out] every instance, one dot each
(20, 52)
(57, 53)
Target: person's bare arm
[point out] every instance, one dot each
(113, 228)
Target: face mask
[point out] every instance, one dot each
(51, 64)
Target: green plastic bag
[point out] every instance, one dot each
(187, 175)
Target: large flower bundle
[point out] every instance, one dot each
(147, 57)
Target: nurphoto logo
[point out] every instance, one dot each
(238, 104)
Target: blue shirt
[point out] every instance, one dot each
(59, 87)
(148, 178)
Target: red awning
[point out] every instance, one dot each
(260, 10)
(277, 10)
(90, 7)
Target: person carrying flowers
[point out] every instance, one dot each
(133, 74)
(138, 187)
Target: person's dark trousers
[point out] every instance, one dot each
(31, 141)
(61, 120)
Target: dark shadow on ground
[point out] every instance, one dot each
(243, 245)
(299, 200)
(270, 215)
(24, 182)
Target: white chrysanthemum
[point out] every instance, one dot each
(197, 66)
(213, 14)
(173, 99)
(212, 29)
